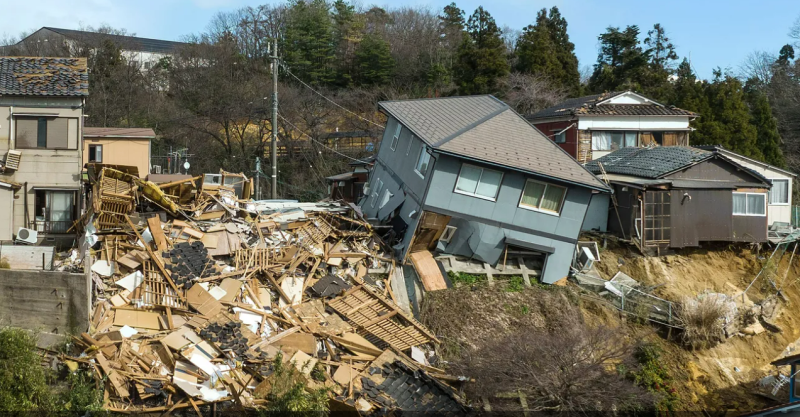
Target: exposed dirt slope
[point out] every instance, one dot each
(720, 378)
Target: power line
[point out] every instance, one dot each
(318, 142)
(285, 68)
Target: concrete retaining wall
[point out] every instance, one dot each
(51, 302)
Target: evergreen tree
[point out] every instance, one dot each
(544, 48)
(481, 56)
(768, 139)
(347, 29)
(621, 62)
(309, 47)
(374, 61)
(786, 55)
(451, 34)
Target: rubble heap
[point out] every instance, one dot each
(199, 290)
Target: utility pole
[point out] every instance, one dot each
(274, 147)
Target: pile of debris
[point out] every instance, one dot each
(198, 291)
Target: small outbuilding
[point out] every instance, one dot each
(676, 196)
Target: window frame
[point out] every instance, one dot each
(419, 158)
(562, 135)
(624, 132)
(538, 209)
(448, 233)
(396, 137)
(376, 193)
(497, 193)
(788, 192)
(386, 195)
(746, 194)
(89, 157)
(42, 134)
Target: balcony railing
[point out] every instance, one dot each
(42, 226)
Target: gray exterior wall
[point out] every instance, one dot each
(395, 168)
(598, 212)
(490, 222)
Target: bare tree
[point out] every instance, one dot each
(574, 369)
(529, 93)
(758, 65)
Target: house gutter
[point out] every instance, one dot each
(579, 184)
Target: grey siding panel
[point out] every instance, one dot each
(26, 129)
(505, 210)
(708, 216)
(749, 228)
(58, 133)
(598, 212)
(398, 162)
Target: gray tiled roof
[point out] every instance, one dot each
(486, 129)
(586, 105)
(133, 43)
(27, 76)
(649, 162)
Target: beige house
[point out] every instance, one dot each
(41, 117)
(118, 146)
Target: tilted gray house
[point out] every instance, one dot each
(468, 176)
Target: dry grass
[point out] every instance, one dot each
(702, 321)
(4, 264)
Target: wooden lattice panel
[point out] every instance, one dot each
(257, 258)
(379, 318)
(155, 291)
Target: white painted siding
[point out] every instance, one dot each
(643, 123)
(775, 212)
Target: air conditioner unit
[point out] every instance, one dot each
(156, 169)
(27, 236)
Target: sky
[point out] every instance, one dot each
(712, 33)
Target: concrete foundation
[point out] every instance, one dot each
(48, 302)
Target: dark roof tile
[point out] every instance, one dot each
(29, 76)
(587, 105)
(648, 162)
(132, 43)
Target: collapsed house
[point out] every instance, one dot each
(675, 197)
(199, 292)
(469, 177)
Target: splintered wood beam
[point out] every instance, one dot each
(155, 259)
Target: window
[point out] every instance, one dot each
(376, 192)
(422, 162)
(148, 65)
(448, 233)
(560, 137)
(779, 194)
(396, 137)
(478, 182)
(543, 197)
(385, 199)
(54, 211)
(749, 204)
(410, 141)
(96, 153)
(612, 140)
(45, 132)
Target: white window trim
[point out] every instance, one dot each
(445, 233)
(766, 200)
(410, 141)
(788, 192)
(421, 150)
(376, 193)
(550, 212)
(385, 196)
(482, 197)
(396, 137)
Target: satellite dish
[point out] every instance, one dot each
(186, 165)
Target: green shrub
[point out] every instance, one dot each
(515, 284)
(463, 278)
(653, 376)
(291, 394)
(23, 380)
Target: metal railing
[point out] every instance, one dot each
(43, 226)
